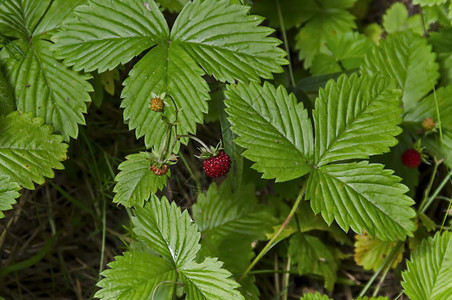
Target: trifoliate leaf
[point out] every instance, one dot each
(136, 181)
(362, 196)
(396, 19)
(92, 41)
(427, 108)
(313, 257)
(47, 88)
(316, 296)
(371, 253)
(273, 127)
(9, 191)
(136, 276)
(7, 101)
(322, 20)
(406, 58)
(227, 42)
(164, 69)
(28, 149)
(208, 281)
(356, 117)
(346, 51)
(429, 269)
(18, 18)
(167, 231)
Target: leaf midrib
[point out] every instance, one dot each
(440, 267)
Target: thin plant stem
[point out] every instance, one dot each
(286, 279)
(275, 235)
(438, 189)
(286, 42)
(385, 272)
(195, 139)
(430, 184)
(388, 261)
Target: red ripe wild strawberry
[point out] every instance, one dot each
(156, 104)
(411, 158)
(218, 165)
(159, 171)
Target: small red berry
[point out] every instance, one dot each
(156, 104)
(411, 158)
(218, 165)
(159, 171)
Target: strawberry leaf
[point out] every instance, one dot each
(9, 191)
(408, 59)
(80, 42)
(274, 129)
(362, 196)
(313, 257)
(7, 101)
(208, 281)
(136, 181)
(170, 233)
(18, 18)
(28, 149)
(137, 275)
(46, 87)
(396, 19)
(322, 19)
(356, 117)
(428, 272)
(316, 296)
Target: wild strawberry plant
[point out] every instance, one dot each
(381, 90)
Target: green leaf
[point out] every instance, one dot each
(429, 2)
(47, 88)
(136, 181)
(323, 19)
(106, 34)
(347, 52)
(58, 11)
(441, 148)
(230, 222)
(427, 108)
(18, 18)
(9, 191)
(429, 269)
(362, 196)
(316, 296)
(227, 42)
(290, 9)
(7, 101)
(396, 19)
(208, 280)
(136, 276)
(172, 5)
(273, 127)
(28, 149)
(356, 117)
(163, 228)
(371, 253)
(406, 58)
(164, 69)
(442, 45)
(313, 257)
